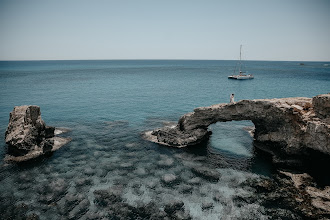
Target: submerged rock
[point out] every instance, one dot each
(165, 162)
(207, 206)
(83, 181)
(111, 205)
(206, 173)
(28, 137)
(32, 216)
(127, 166)
(174, 206)
(106, 197)
(169, 179)
(79, 210)
(186, 189)
(195, 181)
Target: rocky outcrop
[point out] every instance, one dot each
(28, 137)
(294, 191)
(288, 125)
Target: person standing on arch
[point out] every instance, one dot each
(232, 98)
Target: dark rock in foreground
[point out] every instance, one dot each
(28, 137)
(292, 191)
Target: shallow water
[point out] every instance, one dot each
(108, 104)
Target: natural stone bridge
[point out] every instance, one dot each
(291, 125)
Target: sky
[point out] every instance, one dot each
(292, 30)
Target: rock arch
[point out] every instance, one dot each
(289, 124)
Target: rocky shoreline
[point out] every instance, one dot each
(291, 194)
(28, 137)
(289, 129)
(295, 132)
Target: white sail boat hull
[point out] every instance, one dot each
(249, 76)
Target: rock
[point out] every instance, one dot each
(169, 179)
(180, 215)
(318, 193)
(174, 206)
(166, 162)
(94, 216)
(321, 204)
(195, 181)
(321, 104)
(261, 186)
(127, 166)
(119, 209)
(83, 182)
(174, 137)
(298, 179)
(242, 200)
(26, 130)
(70, 202)
(32, 216)
(282, 214)
(207, 206)
(206, 173)
(141, 171)
(89, 171)
(53, 191)
(27, 135)
(108, 197)
(152, 183)
(20, 209)
(295, 196)
(288, 126)
(79, 210)
(185, 189)
(101, 173)
(26, 178)
(218, 197)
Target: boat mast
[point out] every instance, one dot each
(240, 60)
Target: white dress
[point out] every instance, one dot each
(231, 99)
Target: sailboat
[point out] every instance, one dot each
(241, 74)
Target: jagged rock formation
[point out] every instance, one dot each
(291, 125)
(289, 196)
(27, 135)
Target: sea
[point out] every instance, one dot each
(107, 105)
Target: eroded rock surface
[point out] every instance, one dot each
(27, 135)
(293, 191)
(289, 124)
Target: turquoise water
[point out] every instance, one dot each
(108, 104)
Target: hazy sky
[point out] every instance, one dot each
(151, 29)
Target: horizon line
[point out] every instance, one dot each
(9, 60)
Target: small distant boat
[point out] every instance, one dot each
(301, 64)
(241, 74)
(248, 76)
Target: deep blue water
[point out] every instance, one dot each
(108, 104)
